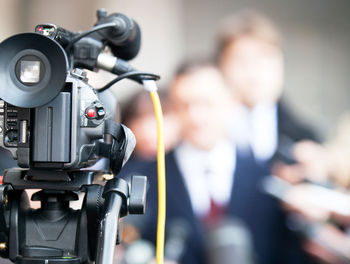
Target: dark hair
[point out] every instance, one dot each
(140, 104)
(247, 23)
(192, 66)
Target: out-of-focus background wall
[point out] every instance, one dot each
(316, 40)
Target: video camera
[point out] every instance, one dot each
(53, 122)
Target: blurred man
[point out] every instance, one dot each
(251, 58)
(209, 180)
(325, 211)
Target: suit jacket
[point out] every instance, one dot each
(290, 130)
(291, 126)
(273, 243)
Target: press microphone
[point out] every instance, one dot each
(124, 39)
(315, 231)
(139, 252)
(229, 242)
(313, 194)
(176, 239)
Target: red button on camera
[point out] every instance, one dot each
(91, 113)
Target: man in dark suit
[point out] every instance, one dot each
(260, 214)
(208, 179)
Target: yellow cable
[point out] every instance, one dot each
(161, 179)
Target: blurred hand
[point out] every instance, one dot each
(291, 173)
(317, 202)
(298, 200)
(313, 164)
(329, 245)
(314, 158)
(341, 219)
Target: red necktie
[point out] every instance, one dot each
(216, 212)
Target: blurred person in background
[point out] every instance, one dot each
(326, 163)
(138, 115)
(251, 58)
(209, 180)
(319, 194)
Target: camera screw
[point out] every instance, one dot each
(3, 246)
(80, 74)
(101, 13)
(6, 200)
(107, 176)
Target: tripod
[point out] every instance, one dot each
(55, 233)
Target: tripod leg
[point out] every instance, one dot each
(116, 205)
(18, 203)
(108, 229)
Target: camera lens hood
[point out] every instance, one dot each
(47, 62)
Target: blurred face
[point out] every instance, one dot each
(253, 70)
(202, 105)
(144, 128)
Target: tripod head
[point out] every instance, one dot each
(55, 233)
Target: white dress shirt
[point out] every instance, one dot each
(207, 174)
(256, 128)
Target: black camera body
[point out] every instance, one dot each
(38, 130)
(59, 134)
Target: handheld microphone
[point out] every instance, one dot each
(229, 242)
(176, 240)
(139, 252)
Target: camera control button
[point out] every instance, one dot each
(12, 123)
(12, 114)
(91, 113)
(101, 112)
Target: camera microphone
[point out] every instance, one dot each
(124, 39)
